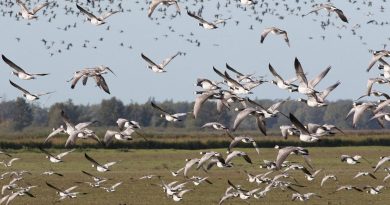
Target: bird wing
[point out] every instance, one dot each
(12, 64)
(322, 95)
(22, 6)
(70, 189)
(72, 138)
(234, 142)
(91, 160)
(109, 136)
(381, 106)
(299, 72)
(159, 108)
(316, 80)
(108, 14)
(274, 73)
(264, 34)
(358, 114)
(298, 124)
(380, 163)
(52, 186)
(233, 70)
(167, 60)
(153, 6)
(89, 14)
(241, 116)
(199, 100)
(109, 164)
(374, 59)
(64, 153)
(55, 132)
(46, 93)
(101, 82)
(76, 78)
(282, 155)
(285, 36)
(39, 7)
(341, 15)
(19, 88)
(83, 125)
(196, 17)
(261, 125)
(46, 152)
(65, 118)
(148, 60)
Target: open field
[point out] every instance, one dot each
(136, 163)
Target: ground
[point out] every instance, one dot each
(136, 163)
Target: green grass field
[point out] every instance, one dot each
(136, 163)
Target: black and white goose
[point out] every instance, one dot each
(360, 174)
(352, 160)
(30, 14)
(96, 20)
(235, 86)
(303, 197)
(236, 153)
(329, 8)
(246, 78)
(99, 167)
(10, 162)
(94, 177)
(305, 135)
(381, 162)
(281, 83)
(55, 158)
(167, 116)
(207, 84)
(29, 96)
(206, 24)
(374, 190)
(377, 55)
(64, 193)
(112, 188)
(153, 5)
(288, 130)
(283, 153)
(123, 124)
(124, 135)
(276, 31)
(18, 71)
(215, 125)
(158, 68)
(245, 139)
(327, 177)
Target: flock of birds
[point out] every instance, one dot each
(230, 92)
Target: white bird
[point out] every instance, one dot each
(327, 177)
(18, 71)
(305, 135)
(374, 190)
(288, 130)
(29, 96)
(123, 124)
(112, 188)
(330, 8)
(64, 193)
(167, 3)
(244, 139)
(276, 31)
(351, 160)
(236, 153)
(198, 180)
(206, 24)
(120, 136)
(364, 174)
(377, 55)
(99, 167)
(281, 83)
(9, 163)
(96, 20)
(30, 14)
(169, 117)
(179, 196)
(158, 68)
(303, 197)
(381, 162)
(55, 158)
(286, 151)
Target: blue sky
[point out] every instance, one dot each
(234, 44)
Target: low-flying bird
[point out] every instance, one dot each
(18, 71)
(96, 20)
(169, 117)
(9, 163)
(99, 167)
(55, 158)
(327, 177)
(304, 135)
(330, 8)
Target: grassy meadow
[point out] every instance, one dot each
(136, 163)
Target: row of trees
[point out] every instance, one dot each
(16, 115)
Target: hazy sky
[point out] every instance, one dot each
(234, 44)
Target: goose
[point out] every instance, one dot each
(179, 196)
(96, 73)
(169, 117)
(248, 2)
(206, 24)
(327, 177)
(64, 193)
(372, 81)
(243, 194)
(359, 174)
(286, 151)
(374, 190)
(259, 116)
(167, 3)
(329, 8)
(276, 31)
(281, 83)
(55, 158)
(18, 71)
(307, 87)
(99, 167)
(123, 124)
(288, 130)
(311, 177)
(219, 163)
(298, 167)
(94, 177)
(244, 139)
(207, 84)
(303, 197)
(272, 111)
(10, 162)
(96, 20)
(215, 125)
(348, 187)
(312, 101)
(351, 160)
(81, 134)
(112, 188)
(189, 164)
(55, 132)
(10, 197)
(325, 129)
(96, 184)
(200, 100)
(305, 135)
(358, 111)
(124, 135)
(236, 153)
(228, 196)
(11, 185)
(208, 155)
(381, 117)
(235, 87)
(158, 68)
(376, 56)
(241, 77)
(49, 173)
(29, 96)
(198, 180)
(381, 162)
(30, 14)
(385, 67)
(70, 126)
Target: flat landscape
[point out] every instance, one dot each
(133, 164)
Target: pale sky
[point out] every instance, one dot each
(234, 44)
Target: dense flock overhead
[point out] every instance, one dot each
(231, 89)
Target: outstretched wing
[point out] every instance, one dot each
(12, 64)
(90, 15)
(39, 7)
(19, 88)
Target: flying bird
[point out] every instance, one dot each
(96, 20)
(18, 71)
(29, 96)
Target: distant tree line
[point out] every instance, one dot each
(16, 115)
